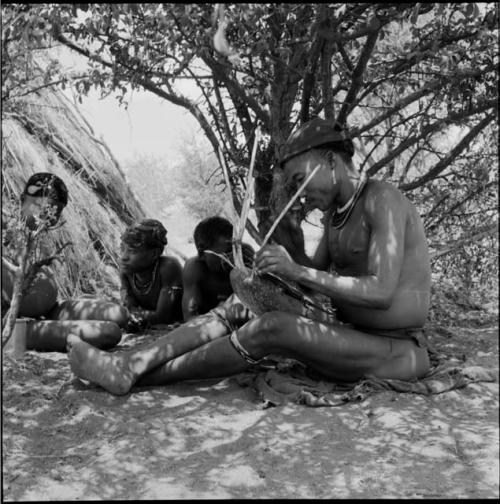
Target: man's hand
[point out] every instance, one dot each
(289, 234)
(276, 259)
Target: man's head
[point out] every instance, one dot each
(215, 234)
(44, 197)
(142, 244)
(317, 142)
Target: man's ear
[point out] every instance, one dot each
(332, 158)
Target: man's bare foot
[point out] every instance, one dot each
(110, 371)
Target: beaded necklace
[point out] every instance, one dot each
(340, 215)
(147, 286)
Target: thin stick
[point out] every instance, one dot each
(249, 191)
(17, 289)
(289, 204)
(220, 256)
(234, 217)
(239, 225)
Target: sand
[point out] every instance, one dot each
(66, 440)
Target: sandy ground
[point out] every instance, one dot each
(63, 439)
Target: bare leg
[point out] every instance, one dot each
(51, 335)
(90, 309)
(339, 352)
(117, 372)
(215, 359)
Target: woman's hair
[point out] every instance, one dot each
(146, 234)
(209, 230)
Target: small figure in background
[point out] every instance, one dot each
(96, 321)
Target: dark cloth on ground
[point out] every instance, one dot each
(292, 382)
(280, 380)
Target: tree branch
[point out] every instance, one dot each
(486, 105)
(326, 81)
(223, 115)
(150, 86)
(407, 100)
(447, 160)
(357, 75)
(309, 80)
(345, 56)
(490, 230)
(236, 91)
(457, 205)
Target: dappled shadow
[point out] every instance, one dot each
(211, 439)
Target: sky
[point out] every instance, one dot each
(149, 125)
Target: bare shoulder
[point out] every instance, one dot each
(194, 269)
(381, 189)
(170, 268)
(380, 196)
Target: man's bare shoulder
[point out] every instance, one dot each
(380, 187)
(379, 194)
(194, 269)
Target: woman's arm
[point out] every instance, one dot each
(170, 294)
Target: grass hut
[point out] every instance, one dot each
(45, 132)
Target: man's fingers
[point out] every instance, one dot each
(269, 265)
(267, 261)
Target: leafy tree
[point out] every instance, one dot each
(196, 182)
(190, 179)
(415, 82)
(148, 176)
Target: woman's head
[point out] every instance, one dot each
(142, 244)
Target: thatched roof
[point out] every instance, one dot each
(45, 132)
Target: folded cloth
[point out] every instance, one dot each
(290, 381)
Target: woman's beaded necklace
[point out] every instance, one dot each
(340, 215)
(147, 286)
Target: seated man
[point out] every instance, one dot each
(96, 321)
(206, 276)
(151, 282)
(372, 262)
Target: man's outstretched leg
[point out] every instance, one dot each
(338, 352)
(117, 372)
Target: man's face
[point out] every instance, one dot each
(36, 208)
(320, 190)
(221, 246)
(134, 260)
